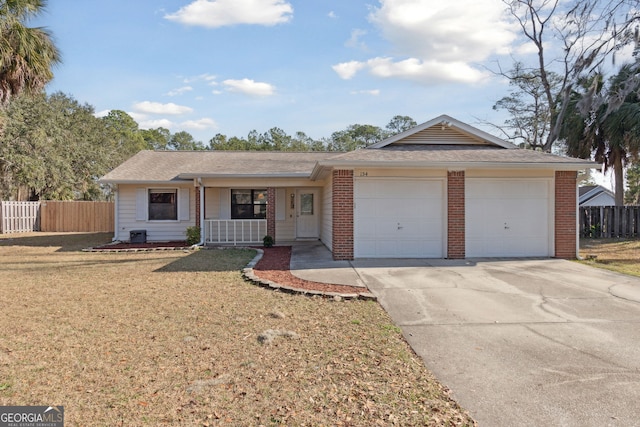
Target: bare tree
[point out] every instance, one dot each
(590, 33)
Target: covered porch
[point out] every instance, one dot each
(244, 215)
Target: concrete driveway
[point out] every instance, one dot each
(521, 342)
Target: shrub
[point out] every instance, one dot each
(193, 235)
(268, 241)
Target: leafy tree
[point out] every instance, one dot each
(184, 141)
(124, 134)
(399, 124)
(354, 137)
(590, 32)
(157, 139)
(27, 55)
(611, 132)
(55, 147)
(632, 195)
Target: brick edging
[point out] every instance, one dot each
(249, 275)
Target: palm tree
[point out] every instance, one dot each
(27, 55)
(611, 131)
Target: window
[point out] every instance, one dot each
(248, 204)
(163, 205)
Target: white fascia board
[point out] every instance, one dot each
(244, 175)
(144, 182)
(577, 166)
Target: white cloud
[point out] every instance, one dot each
(464, 30)
(332, 15)
(347, 70)
(148, 107)
(434, 41)
(154, 124)
(200, 124)
(220, 13)
(354, 40)
(373, 92)
(206, 77)
(179, 91)
(102, 113)
(250, 87)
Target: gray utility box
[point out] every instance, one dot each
(138, 236)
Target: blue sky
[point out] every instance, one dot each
(317, 66)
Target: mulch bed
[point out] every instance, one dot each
(274, 266)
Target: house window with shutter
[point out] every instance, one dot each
(248, 204)
(163, 205)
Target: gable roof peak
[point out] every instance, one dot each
(440, 130)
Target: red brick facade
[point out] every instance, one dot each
(271, 212)
(455, 215)
(342, 202)
(565, 214)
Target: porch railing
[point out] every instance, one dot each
(235, 231)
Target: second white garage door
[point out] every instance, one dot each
(398, 218)
(507, 218)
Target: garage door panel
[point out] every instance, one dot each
(398, 218)
(507, 218)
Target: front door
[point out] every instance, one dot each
(307, 214)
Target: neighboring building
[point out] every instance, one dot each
(595, 195)
(443, 189)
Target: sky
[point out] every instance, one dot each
(316, 66)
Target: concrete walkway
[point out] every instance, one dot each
(311, 260)
(520, 342)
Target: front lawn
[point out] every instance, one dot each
(176, 338)
(618, 255)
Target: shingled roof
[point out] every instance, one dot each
(443, 142)
(168, 166)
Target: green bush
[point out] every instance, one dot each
(193, 235)
(268, 241)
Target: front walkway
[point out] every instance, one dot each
(312, 261)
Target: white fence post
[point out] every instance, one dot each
(19, 217)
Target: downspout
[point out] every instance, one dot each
(201, 213)
(115, 222)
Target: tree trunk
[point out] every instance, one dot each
(618, 180)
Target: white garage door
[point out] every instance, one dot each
(507, 218)
(398, 218)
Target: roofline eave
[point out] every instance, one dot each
(573, 166)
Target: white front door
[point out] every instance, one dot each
(307, 214)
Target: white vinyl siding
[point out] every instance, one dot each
(132, 214)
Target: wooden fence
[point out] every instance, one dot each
(19, 217)
(57, 216)
(610, 221)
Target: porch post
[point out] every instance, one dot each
(271, 212)
(198, 189)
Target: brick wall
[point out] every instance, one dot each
(271, 212)
(342, 222)
(565, 214)
(455, 215)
